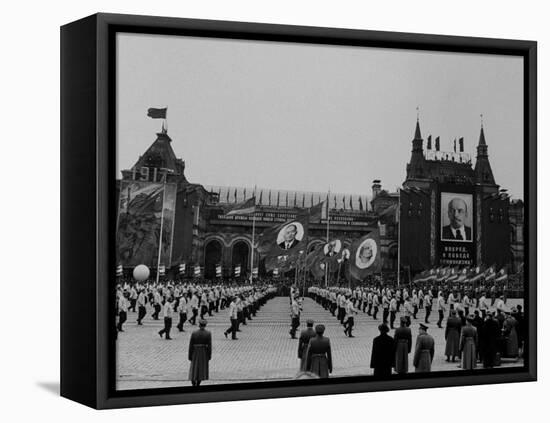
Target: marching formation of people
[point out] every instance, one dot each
(478, 329)
(190, 303)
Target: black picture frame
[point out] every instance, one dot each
(88, 194)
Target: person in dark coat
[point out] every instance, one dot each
(510, 334)
(403, 345)
(424, 350)
(490, 333)
(517, 313)
(452, 337)
(200, 353)
(468, 344)
(478, 324)
(303, 344)
(319, 354)
(383, 352)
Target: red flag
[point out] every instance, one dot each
(365, 256)
(157, 113)
(283, 245)
(242, 208)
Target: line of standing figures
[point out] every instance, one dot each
(476, 338)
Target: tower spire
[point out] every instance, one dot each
(481, 135)
(484, 173)
(417, 134)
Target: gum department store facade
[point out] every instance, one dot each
(204, 235)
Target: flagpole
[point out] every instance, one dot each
(161, 227)
(305, 252)
(253, 234)
(399, 242)
(328, 233)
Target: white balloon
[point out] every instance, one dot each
(141, 272)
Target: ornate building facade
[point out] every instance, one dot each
(411, 221)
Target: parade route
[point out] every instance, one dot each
(264, 350)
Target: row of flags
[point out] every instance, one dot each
(346, 202)
(464, 275)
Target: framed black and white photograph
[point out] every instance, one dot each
(282, 211)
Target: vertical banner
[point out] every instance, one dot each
(139, 222)
(457, 234)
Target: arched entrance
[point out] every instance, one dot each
(212, 257)
(240, 255)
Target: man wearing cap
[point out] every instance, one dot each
(319, 354)
(182, 311)
(375, 305)
(393, 310)
(383, 352)
(232, 319)
(294, 318)
(348, 324)
(141, 301)
(424, 350)
(385, 307)
(303, 344)
(427, 305)
(167, 312)
(122, 305)
(403, 346)
(440, 308)
(194, 304)
(200, 353)
(483, 305)
(409, 310)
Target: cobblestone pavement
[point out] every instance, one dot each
(263, 351)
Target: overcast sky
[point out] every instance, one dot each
(313, 117)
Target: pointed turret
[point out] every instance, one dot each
(159, 156)
(483, 171)
(415, 168)
(417, 134)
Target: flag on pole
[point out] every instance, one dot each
(282, 245)
(182, 268)
(318, 212)
(285, 237)
(237, 271)
(490, 274)
(197, 271)
(218, 270)
(255, 272)
(502, 275)
(119, 270)
(156, 113)
(453, 276)
(314, 262)
(162, 270)
(242, 208)
(365, 256)
(463, 275)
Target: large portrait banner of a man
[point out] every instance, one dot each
(457, 246)
(457, 217)
(290, 236)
